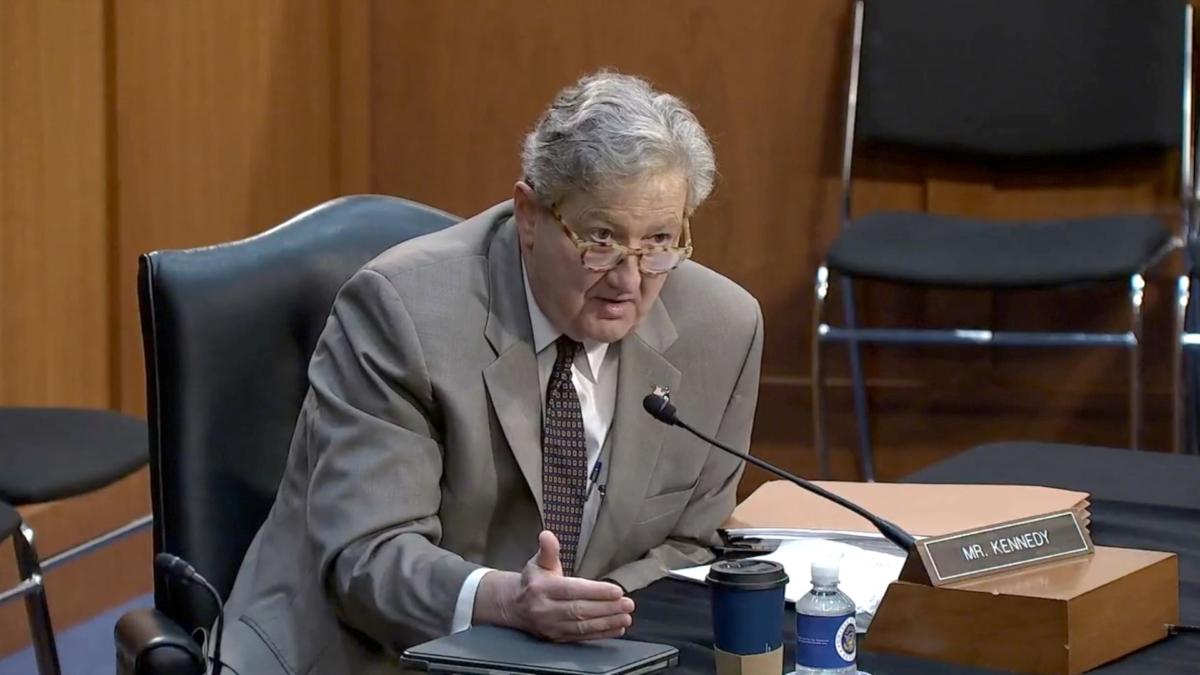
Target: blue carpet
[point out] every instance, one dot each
(85, 649)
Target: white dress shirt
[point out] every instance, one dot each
(594, 374)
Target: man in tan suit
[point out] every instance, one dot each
(473, 447)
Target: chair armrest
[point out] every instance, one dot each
(149, 643)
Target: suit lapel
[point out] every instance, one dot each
(636, 437)
(512, 379)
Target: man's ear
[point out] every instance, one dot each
(527, 209)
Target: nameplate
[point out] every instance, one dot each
(1004, 547)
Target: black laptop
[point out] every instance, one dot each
(487, 650)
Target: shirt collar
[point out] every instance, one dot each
(544, 332)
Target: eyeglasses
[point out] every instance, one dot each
(604, 256)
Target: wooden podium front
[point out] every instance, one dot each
(1062, 618)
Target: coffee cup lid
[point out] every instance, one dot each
(748, 575)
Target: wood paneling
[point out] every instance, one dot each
(54, 229)
(132, 125)
(225, 126)
(56, 328)
(352, 96)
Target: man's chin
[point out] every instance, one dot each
(606, 330)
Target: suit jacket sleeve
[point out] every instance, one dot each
(375, 463)
(716, 492)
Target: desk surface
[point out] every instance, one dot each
(1139, 500)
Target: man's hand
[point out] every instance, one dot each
(541, 601)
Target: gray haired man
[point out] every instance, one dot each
(472, 448)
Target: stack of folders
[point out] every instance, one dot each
(803, 527)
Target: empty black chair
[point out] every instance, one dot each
(55, 453)
(228, 332)
(1003, 82)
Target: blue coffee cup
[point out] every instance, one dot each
(747, 606)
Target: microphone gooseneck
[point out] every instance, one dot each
(661, 409)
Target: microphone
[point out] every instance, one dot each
(661, 408)
(180, 569)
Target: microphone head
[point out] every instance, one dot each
(660, 408)
(173, 564)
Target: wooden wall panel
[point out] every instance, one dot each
(225, 127)
(131, 125)
(351, 96)
(54, 228)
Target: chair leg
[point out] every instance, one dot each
(820, 290)
(866, 455)
(40, 629)
(1178, 439)
(1189, 377)
(1137, 287)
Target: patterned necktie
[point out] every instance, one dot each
(564, 456)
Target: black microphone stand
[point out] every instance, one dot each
(661, 409)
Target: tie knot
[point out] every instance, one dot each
(567, 348)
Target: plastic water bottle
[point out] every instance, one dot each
(825, 631)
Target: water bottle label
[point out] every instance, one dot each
(825, 641)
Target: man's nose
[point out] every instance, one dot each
(626, 276)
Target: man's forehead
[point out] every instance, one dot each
(623, 213)
(664, 215)
(652, 192)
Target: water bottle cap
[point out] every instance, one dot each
(825, 572)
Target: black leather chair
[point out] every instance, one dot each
(228, 331)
